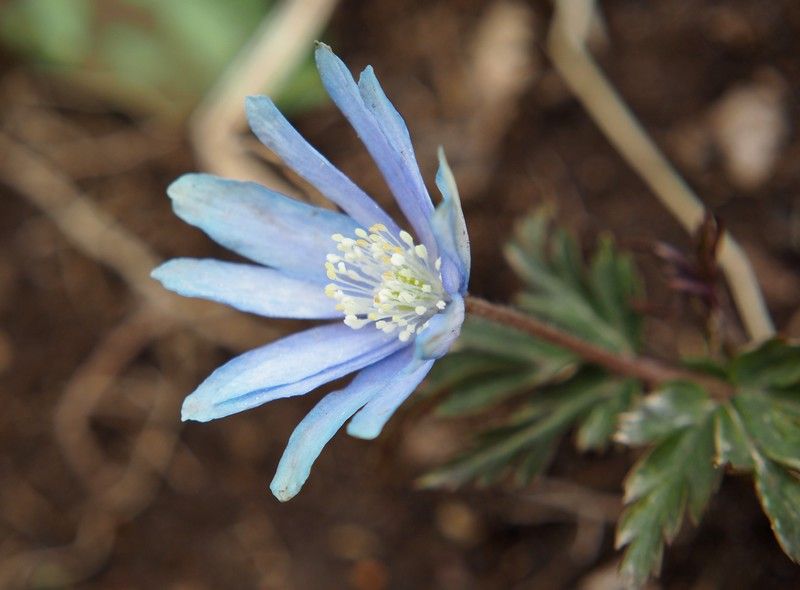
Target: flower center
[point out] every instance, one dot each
(380, 278)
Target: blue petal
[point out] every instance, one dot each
(326, 418)
(448, 223)
(275, 132)
(435, 340)
(260, 224)
(370, 420)
(384, 135)
(251, 288)
(291, 366)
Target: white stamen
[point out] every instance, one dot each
(378, 280)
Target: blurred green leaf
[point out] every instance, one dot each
(56, 31)
(779, 492)
(151, 55)
(733, 447)
(528, 438)
(303, 90)
(773, 424)
(493, 363)
(672, 407)
(487, 390)
(594, 303)
(488, 337)
(677, 475)
(774, 364)
(463, 366)
(758, 432)
(598, 427)
(591, 300)
(615, 284)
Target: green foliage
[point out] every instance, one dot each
(744, 442)
(525, 442)
(545, 392)
(756, 431)
(761, 433)
(495, 365)
(149, 54)
(591, 301)
(673, 407)
(677, 475)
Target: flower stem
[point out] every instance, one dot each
(651, 371)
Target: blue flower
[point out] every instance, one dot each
(399, 302)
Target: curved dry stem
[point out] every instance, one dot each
(567, 50)
(281, 42)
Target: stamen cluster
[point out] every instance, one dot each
(382, 279)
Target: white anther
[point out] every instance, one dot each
(406, 237)
(376, 281)
(398, 259)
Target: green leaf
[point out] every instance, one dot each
(709, 366)
(575, 315)
(596, 429)
(567, 261)
(594, 303)
(614, 283)
(464, 366)
(776, 483)
(774, 426)
(775, 364)
(733, 447)
(488, 390)
(489, 337)
(677, 476)
(54, 31)
(676, 405)
(644, 528)
(779, 492)
(554, 410)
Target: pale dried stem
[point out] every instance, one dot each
(567, 50)
(278, 47)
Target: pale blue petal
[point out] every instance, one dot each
(435, 340)
(452, 277)
(291, 366)
(260, 224)
(370, 420)
(448, 222)
(326, 418)
(247, 287)
(418, 207)
(275, 132)
(378, 130)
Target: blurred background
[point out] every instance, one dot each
(104, 102)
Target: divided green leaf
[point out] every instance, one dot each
(525, 443)
(595, 303)
(773, 365)
(495, 364)
(678, 475)
(779, 491)
(674, 406)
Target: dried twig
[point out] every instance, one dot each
(263, 66)
(567, 50)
